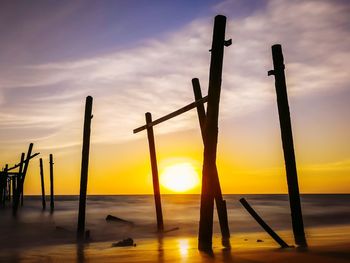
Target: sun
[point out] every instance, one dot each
(179, 177)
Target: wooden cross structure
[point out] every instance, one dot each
(209, 126)
(14, 181)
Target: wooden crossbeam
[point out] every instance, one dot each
(19, 164)
(173, 114)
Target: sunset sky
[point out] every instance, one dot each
(139, 56)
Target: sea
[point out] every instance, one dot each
(34, 226)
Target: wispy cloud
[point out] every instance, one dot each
(156, 76)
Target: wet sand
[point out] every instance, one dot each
(329, 244)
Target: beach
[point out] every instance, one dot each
(39, 236)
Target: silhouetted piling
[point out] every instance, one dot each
(84, 168)
(288, 147)
(52, 196)
(153, 157)
(20, 176)
(220, 203)
(211, 135)
(42, 184)
(263, 224)
(21, 180)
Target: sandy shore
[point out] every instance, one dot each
(325, 245)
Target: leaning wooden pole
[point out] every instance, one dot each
(52, 196)
(262, 223)
(287, 143)
(153, 157)
(84, 168)
(220, 202)
(21, 180)
(21, 176)
(43, 201)
(211, 135)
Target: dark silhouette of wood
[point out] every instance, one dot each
(263, 224)
(21, 179)
(21, 163)
(14, 186)
(42, 184)
(220, 203)
(52, 196)
(173, 114)
(211, 135)
(20, 176)
(3, 185)
(84, 168)
(153, 157)
(288, 147)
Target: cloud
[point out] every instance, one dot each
(156, 76)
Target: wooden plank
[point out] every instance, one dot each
(220, 203)
(211, 135)
(84, 169)
(153, 157)
(172, 115)
(288, 145)
(262, 223)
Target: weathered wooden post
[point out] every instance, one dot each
(262, 223)
(42, 184)
(21, 179)
(153, 157)
(20, 176)
(52, 204)
(84, 168)
(211, 135)
(220, 203)
(287, 143)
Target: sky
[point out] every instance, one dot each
(140, 56)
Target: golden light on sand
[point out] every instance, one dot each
(179, 177)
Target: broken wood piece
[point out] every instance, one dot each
(117, 219)
(128, 242)
(262, 223)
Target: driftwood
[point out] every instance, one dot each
(111, 218)
(128, 242)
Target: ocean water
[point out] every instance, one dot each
(34, 227)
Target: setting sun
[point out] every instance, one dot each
(179, 177)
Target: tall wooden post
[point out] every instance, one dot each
(287, 143)
(21, 180)
(84, 168)
(42, 184)
(152, 152)
(220, 203)
(211, 135)
(21, 176)
(52, 202)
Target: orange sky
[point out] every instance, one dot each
(49, 64)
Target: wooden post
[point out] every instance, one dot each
(21, 180)
(42, 184)
(84, 168)
(52, 204)
(152, 152)
(14, 186)
(211, 135)
(220, 203)
(263, 224)
(21, 176)
(3, 186)
(288, 147)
